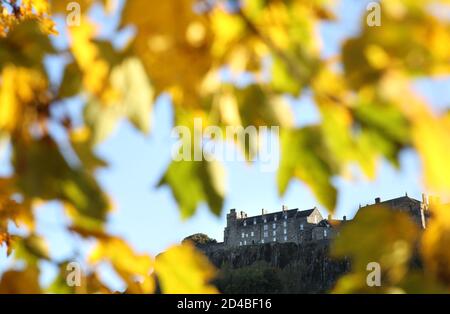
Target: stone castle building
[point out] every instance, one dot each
(298, 226)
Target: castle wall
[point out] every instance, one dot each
(293, 226)
(404, 204)
(281, 227)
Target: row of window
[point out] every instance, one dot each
(266, 228)
(265, 220)
(274, 233)
(262, 241)
(245, 235)
(274, 226)
(275, 219)
(266, 235)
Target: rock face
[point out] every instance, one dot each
(276, 267)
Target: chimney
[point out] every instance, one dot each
(263, 212)
(284, 207)
(377, 200)
(345, 218)
(424, 198)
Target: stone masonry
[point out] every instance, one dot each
(300, 226)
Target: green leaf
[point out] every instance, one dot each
(43, 173)
(282, 80)
(247, 109)
(304, 156)
(131, 80)
(195, 182)
(82, 145)
(383, 236)
(108, 53)
(135, 101)
(258, 107)
(72, 81)
(101, 119)
(25, 45)
(31, 249)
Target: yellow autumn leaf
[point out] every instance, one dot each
(436, 243)
(20, 281)
(135, 269)
(181, 269)
(384, 237)
(432, 139)
(19, 88)
(176, 55)
(95, 69)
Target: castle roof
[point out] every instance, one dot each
(305, 213)
(290, 213)
(393, 203)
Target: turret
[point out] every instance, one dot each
(231, 217)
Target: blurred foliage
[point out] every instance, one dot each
(369, 111)
(199, 239)
(257, 278)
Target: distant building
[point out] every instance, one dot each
(299, 226)
(287, 225)
(417, 210)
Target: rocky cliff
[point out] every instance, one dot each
(276, 268)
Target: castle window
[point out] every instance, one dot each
(245, 242)
(325, 233)
(274, 233)
(301, 227)
(245, 223)
(252, 234)
(243, 235)
(274, 239)
(240, 243)
(254, 221)
(275, 218)
(266, 234)
(246, 235)
(285, 238)
(262, 241)
(265, 220)
(285, 216)
(265, 227)
(285, 223)
(274, 226)
(285, 231)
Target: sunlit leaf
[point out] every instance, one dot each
(205, 185)
(20, 281)
(181, 269)
(134, 269)
(304, 156)
(384, 237)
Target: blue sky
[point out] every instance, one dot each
(148, 217)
